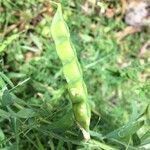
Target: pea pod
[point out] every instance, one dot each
(72, 71)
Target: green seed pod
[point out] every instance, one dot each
(72, 72)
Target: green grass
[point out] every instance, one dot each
(35, 107)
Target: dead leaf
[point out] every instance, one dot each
(127, 31)
(144, 49)
(110, 12)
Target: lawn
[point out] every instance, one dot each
(36, 109)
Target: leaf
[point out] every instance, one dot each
(6, 79)
(64, 123)
(146, 143)
(145, 136)
(12, 147)
(121, 143)
(13, 114)
(36, 41)
(93, 144)
(2, 136)
(134, 114)
(8, 41)
(147, 113)
(4, 114)
(40, 145)
(26, 113)
(6, 98)
(2, 83)
(136, 140)
(126, 131)
(20, 84)
(96, 135)
(15, 123)
(60, 145)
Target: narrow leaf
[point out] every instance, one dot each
(26, 113)
(126, 130)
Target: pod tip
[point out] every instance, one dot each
(86, 134)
